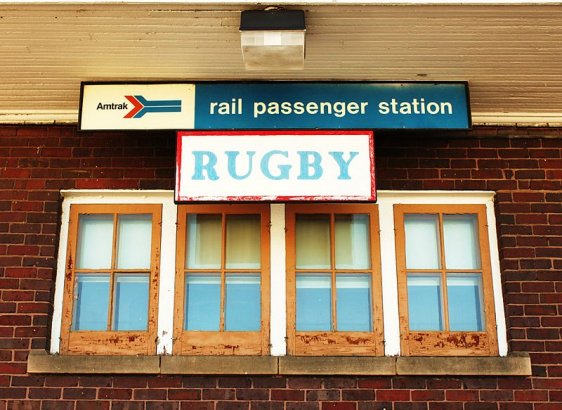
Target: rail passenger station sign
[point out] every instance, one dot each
(274, 105)
(275, 166)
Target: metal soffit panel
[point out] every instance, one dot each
(509, 54)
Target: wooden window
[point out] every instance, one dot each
(333, 280)
(111, 280)
(222, 280)
(444, 280)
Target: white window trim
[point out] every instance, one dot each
(167, 254)
(386, 201)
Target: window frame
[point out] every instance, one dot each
(126, 342)
(334, 343)
(386, 200)
(446, 342)
(244, 343)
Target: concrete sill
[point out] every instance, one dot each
(514, 365)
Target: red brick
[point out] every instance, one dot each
(428, 395)
(323, 395)
(252, 394)
(79, 393)
(120, 394)
(393, 395)
(461, 395)
(12, 393)
(230, 405)
(358, 395)
(197, 405)
(304, 383)
(44, 393)
(165, 381)
(96, 381)
(235, 382)
(218, 394)
(338, 406)
(93, 405)
(496, 395)
(375, 383)
(446, 406)
(287, 395)
(149, 394)
(531, 395)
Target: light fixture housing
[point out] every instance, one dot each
(273, 39)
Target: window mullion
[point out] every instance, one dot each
(444, 293)
(333, 271)
(112, 275)
(222, 273)
(280, 279)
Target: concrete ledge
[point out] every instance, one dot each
(42, 362)
(219, 365)
(337, 365)
(514, 365)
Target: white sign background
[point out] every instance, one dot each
(94, 118)
(257, 186)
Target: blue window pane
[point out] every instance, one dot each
(314, 302)
(461, 241)
(465, 303)
(352, 242)
(422, 241)
(243, 303)
(202, 302)
(92, 302)
(95, 241)
(353, 303)
(424, 302)
(243, 241)
(312, 237)
(135, 241)
(131, 302)
(204, 241)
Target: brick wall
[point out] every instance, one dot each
(524, 167)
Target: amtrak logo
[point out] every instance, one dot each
(142, 106)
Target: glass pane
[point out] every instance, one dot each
(424, 302)
(314, 302)
(353, 303)
(204, 241)
(465, 302)
(243, 303)
(135, 238)
(131, 302)
(95, 242)
(461, 242)
(313, 241)
(422, 241)
(352, 242)
(202, 302)
(92, 302)
(243, 242)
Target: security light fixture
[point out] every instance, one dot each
(273, 39)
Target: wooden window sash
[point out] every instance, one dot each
(110, 342)
(334, 343)
(446, 342)
(222, 342)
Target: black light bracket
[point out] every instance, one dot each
(272, 19)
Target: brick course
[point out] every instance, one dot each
(523, 166)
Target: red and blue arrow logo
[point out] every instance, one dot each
(142, 106)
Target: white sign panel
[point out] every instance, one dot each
(275, 166)
(137, 106)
